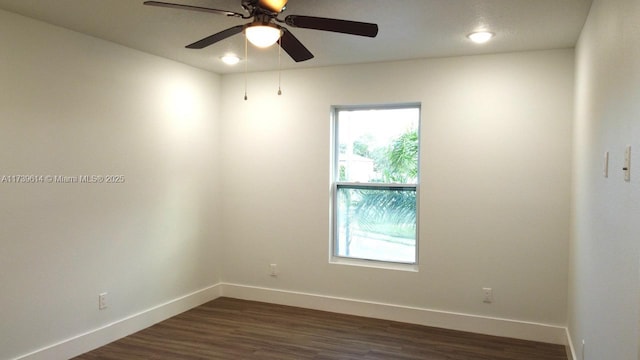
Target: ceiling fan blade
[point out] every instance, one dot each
(210, 40)
(193, 8)
(334, 25)
(294, 47)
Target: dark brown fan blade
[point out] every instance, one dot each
(294, 47)
(193, 8)
(210, 40)
(335, 25)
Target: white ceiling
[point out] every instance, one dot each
(409, 29)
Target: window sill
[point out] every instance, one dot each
(373, 264)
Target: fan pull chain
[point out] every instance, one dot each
(279, 66)
(246, 60)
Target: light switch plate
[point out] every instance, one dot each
(627, 164)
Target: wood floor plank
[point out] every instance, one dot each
(238, 329)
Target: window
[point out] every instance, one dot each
(375, 183)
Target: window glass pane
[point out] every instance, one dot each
(376, 224)
(377, 146)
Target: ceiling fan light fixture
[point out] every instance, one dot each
(262, 35)
(480, 37)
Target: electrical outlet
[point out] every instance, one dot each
(487, 295)
(273, 270)
(102, 301)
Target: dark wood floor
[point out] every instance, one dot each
(236, 329)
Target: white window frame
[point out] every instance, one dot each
(336, 184)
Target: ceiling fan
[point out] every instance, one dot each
(265, 27)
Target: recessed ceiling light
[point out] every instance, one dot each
(230, 59)
(480, 37)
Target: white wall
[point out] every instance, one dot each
(604, 281)
(496, 155)
(71, 105)
(495, 188)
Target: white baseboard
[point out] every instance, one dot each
(571, 350)
(442, 319)
(118, 329)
(449, 320)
